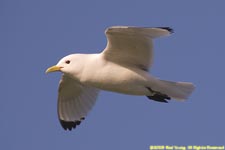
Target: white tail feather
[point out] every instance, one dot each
(176, 90)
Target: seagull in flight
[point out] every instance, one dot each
(121, 67)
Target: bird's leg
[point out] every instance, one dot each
(157, 96)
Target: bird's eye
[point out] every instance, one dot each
(67, 62)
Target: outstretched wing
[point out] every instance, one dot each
(132, 45)
(74, 102)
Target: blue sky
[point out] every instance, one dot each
(36, 34)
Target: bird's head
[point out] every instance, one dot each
(70, 65)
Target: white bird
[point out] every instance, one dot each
(121, 67)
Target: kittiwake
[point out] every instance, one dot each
(121, 67)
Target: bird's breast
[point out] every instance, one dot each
(112, 77)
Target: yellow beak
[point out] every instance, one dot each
(53, 69)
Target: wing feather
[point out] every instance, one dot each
(74, 102)
(132, 45)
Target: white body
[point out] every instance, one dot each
(113, 77)
(124, 79)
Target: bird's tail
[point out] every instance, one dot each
(176, 90)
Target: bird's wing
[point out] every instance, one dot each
(74, 102)
(132, 45)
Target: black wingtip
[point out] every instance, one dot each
(167, 28)
(157, 96)
(69, 125)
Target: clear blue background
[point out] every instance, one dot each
(36, 34)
